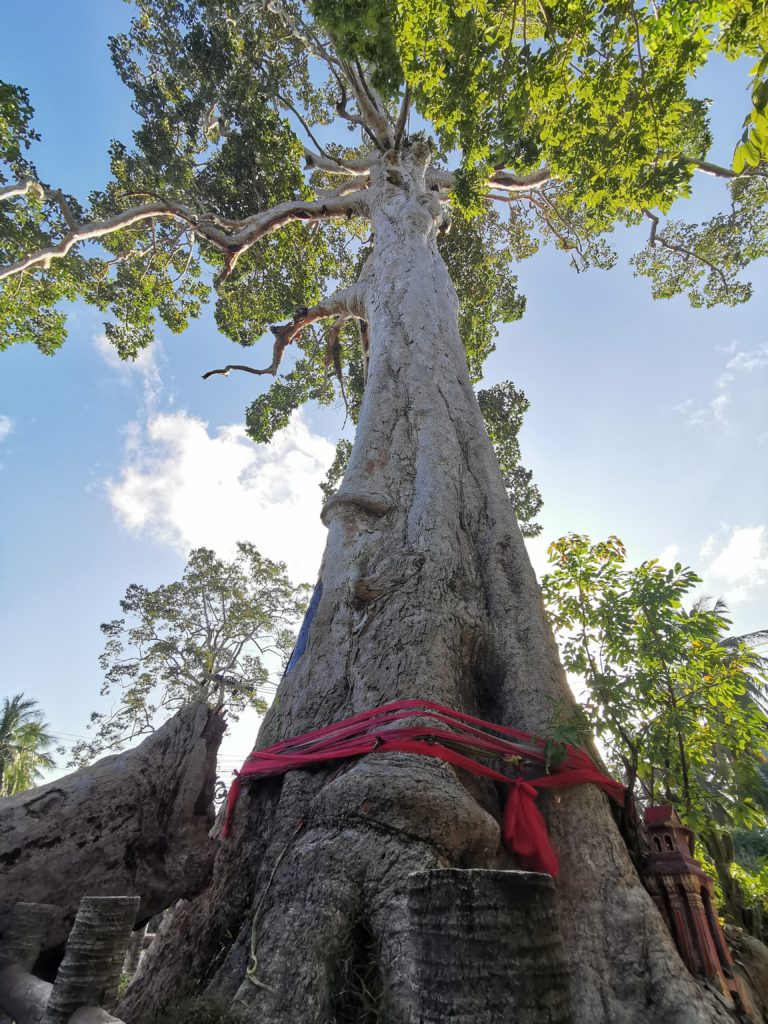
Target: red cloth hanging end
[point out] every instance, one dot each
(525, 831)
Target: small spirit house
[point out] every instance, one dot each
(683, 892)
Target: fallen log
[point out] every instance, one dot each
(27, 997)
(136, 822)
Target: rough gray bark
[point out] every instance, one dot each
(22, 994)
(427, 591)
(90, 971)
(135, 822)
(25, 933)
(750, 958)
(466, 930)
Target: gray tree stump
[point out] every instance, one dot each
(486, 948)
(90, 972)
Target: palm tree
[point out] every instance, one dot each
(757, 682)
(744, 846)
(24, 738)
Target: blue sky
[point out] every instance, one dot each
(648, 419)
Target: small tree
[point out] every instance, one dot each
(24, 739)
(205, 638)
(674, 703)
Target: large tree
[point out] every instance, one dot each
(567, 118)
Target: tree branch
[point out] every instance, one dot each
(506, 181)
(302, 121)
(262, 224)
(371, 107)
(54, 195)
(247, 231)
(334, 165)
(22, 188)
(402, 117)
(341, 110)
(97, 229)
(346, 188)
(726, 172)
(348, 302)
(656, 239)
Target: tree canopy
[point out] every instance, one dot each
(205, 638)
(243, 185)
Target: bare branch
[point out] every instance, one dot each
(58, 197)
(510, 182)
(248, 231)
(262, 224)
(334, 165)
(302, 121)
(52, 195)
(372, 110)
(726, 172)
(22, 188)
(402, 117)
(332, 345)
(348, 302)
(341, 110)
(346, 188)
(97, 229)
(505, 181)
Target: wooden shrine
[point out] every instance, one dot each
(683, 892)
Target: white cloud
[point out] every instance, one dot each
(707, 549)
(144, 366)
(6, 426)
(742, 363)
(669, 556)
(741, 564)
(748, 362)
(693, 415)
(186, 488)
(719, 404)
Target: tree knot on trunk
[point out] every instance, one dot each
(346, 499)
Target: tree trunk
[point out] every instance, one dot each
(132, 823)
(425, 590)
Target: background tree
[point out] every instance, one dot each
(568, 119)
(678, 705)
(24, 739)
(206, 639)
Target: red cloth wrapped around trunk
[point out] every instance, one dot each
(523, 828)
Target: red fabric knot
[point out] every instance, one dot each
(523, 828)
